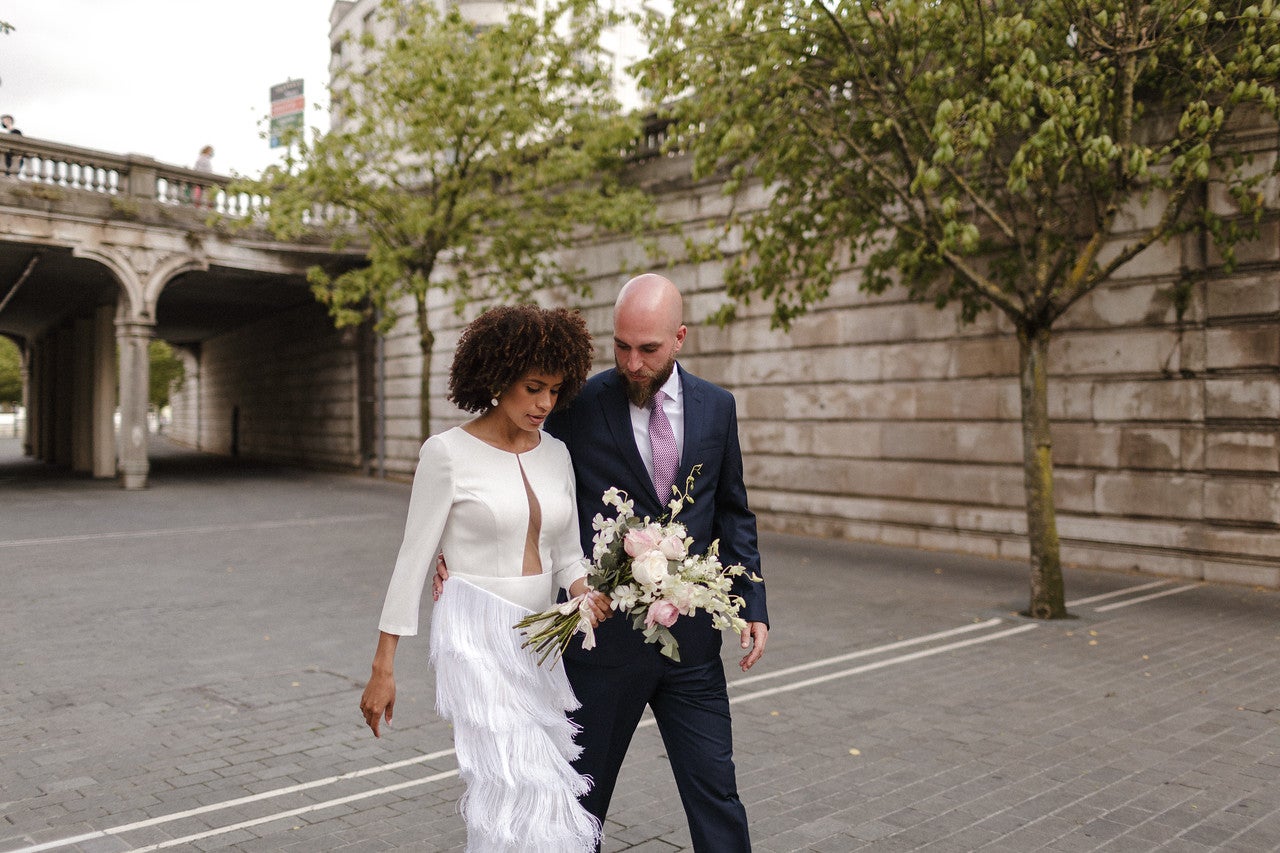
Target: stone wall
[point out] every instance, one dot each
(282, 389)
(880, 419)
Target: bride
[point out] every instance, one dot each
(496, 496)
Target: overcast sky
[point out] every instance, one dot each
(161, 77)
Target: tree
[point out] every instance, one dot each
(987, 152)
(167, 373)
(465, 156)
(10, 373)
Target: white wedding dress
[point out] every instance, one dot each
(513, 738)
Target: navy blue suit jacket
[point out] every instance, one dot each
(597, 429)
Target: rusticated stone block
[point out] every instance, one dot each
(1236, 347)
(1232, 499)
(1243, 398)
(1155, 400)
(985, 357)
(1265, 247)
(1069, 399)
(982, 399)
(1150, 448)
(1128, 351)
(1243, 451)
(995, 442)
(1158, 259)
(1150, 495)
(1073, 490)
(1243, 297)
(1123, 307)
(1086, 445)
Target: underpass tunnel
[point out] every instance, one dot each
(253, 345)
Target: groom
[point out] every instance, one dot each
(614, 434)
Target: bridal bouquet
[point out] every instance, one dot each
(646, 569)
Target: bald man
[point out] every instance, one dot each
(607, 431)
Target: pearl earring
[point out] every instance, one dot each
(494, 402)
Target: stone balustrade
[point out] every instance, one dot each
(39, 161)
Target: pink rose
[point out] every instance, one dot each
(672, 547)
(642, 539)
(663, 612)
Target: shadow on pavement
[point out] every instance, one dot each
(169, 462)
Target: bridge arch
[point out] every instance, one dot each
(92, 271)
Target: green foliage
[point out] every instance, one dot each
(990, 152)
(167, 373)
(10, 373)
(464, 156)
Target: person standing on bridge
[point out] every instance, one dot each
(497, 496)
(204, 163)
(7, 126)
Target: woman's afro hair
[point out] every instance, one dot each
(506, 342)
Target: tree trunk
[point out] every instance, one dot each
(1047, 591)
(426, 343)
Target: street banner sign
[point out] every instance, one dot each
(287, 106)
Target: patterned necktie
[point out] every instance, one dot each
(665, 454)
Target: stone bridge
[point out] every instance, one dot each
(101, 253)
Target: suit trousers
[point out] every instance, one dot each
(691, 706)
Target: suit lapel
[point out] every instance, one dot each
(617, 416)
(692, 390)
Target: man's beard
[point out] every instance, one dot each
(641, 393)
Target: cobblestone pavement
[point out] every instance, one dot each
(181, 668)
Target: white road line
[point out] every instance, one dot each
(227, 804)
(1119, 592)
(186, 531)
(649, 721)
(1143, 598)
(923, 653)
(862, 653)
(314, 807)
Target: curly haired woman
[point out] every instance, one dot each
(496, 497)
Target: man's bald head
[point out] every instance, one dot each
(652, 297)
(648, 331)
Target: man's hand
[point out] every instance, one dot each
(437, 581)
(754, 638)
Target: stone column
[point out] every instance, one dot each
(133, 338)
(104, 392)
(63, 383)
(82, 396)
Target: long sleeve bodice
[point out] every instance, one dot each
(469, 501)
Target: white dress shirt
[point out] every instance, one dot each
(674, 408)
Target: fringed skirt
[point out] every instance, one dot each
(511, 731)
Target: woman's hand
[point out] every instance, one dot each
(378, 701)
(438, 579)
(597, 603)
(379, 698)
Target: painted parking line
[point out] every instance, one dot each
(880, 664)
(187, 531)
(1116, 593)
(1127, 602)
(313, 807)
(862, 653)
(229, 804)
